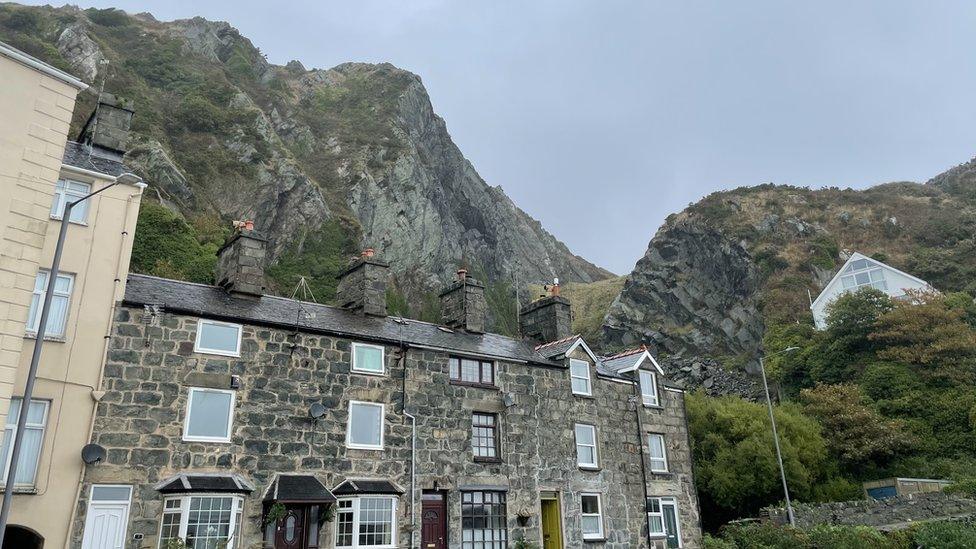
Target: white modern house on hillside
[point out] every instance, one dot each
(861, 271)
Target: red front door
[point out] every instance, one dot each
(290, 529)
(433, 513)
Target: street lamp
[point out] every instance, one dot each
(8, 491)
(779, 454)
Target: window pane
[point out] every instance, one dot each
(656, 446)
(862, 278)
(584, 434)
(209, 414)
(591, 504)
(484, 522)
(111, 493)
(369, 359)
(219, 337)
(209, 521)
(455, 368)
(655, 523)
(581, 386)
(470, 371)
(579, 368)
(366, 424)
(591, 525)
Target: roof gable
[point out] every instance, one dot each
(857, 256)
(628, 361)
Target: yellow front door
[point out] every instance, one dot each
(552, 532)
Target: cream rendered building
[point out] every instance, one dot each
(39, 171)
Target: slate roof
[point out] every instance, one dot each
(557, 348)
(93, 158)
(214, 483)
(298, 488)
(622, 360)
(362, 486)
(213, 302)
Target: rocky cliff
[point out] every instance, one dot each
(357, 150)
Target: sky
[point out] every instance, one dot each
(601, 118)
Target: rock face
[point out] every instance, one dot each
(694, 293)
(292, 148)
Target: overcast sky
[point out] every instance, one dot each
(601, 118)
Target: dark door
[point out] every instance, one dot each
(290, 529)
(433, 512)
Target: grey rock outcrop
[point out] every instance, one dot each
(81, 51)
(694, 293)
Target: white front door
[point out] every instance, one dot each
(108, 514)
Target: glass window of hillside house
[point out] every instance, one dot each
(662, 520)
(209, 415)
(586, 453)
(863, 272)
(367, 359)
(658, 456)
(484, 435)
(70, 191)
(365, 425)
(30, 453)
(648, 385)
(218, 338)
(579, 373)
(475, 372)
(591, 516)
(366, 522)
(202, 521)
(57, 318)
(484, 520)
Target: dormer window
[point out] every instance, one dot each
(579, 373)
(648, 385)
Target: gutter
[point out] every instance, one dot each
(40, 66)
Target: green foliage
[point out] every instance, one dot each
(823, 252)
(396, 303)
(860, 438)
(966, 487)
(736, 470)
(325, 254)
(925, 328)
(710, 542)
(847, 537)
(166, 245)
(764, 535)
(946, 535)
(109, 17)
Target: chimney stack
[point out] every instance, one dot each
(362, 286)
(108, 127)
(463, 305)
(240, 261)
(548, 318)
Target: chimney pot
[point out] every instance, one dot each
(462, 274)
(368, 252)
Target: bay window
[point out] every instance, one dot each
(368, 521)
(202, 521)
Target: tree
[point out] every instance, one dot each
(861, 438)
(736, 470)
(846, 345)
(924, 329)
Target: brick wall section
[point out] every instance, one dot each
(885, 513)
(36, 113)
(150, 368)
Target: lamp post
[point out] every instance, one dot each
(772, 420)
(52, 277)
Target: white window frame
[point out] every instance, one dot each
(189, 410)
(35, 324)
(587, 377)
(197, 348)
(355, 523)
(236, 514)
(595, 446)
(61, 194)
(11, 431)
(658, 464)
(599, 501)
(358, 446)
(651, 398)
(663, 533)
(381, 371)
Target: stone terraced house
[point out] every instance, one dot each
(235, 419)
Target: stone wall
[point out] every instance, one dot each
(883, 514)
(150, 367)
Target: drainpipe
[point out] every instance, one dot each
(413, 443)
(638, 406)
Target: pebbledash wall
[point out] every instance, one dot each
(282, 372)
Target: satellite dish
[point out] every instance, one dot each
(316, 410)
(92, 454)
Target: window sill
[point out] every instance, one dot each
(594, 540)
(21, 490)
(488, 386)
(367, 372)
(653, 406)
(587, 397)
(58, 218)
(662, 474)
(217, 353)
(488, 460)
(207, 440)
(590, 468)
(54, 339)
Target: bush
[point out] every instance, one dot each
(946, 535)
(710, 542)
(765, 535)
(848, 537)
(166, 245)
